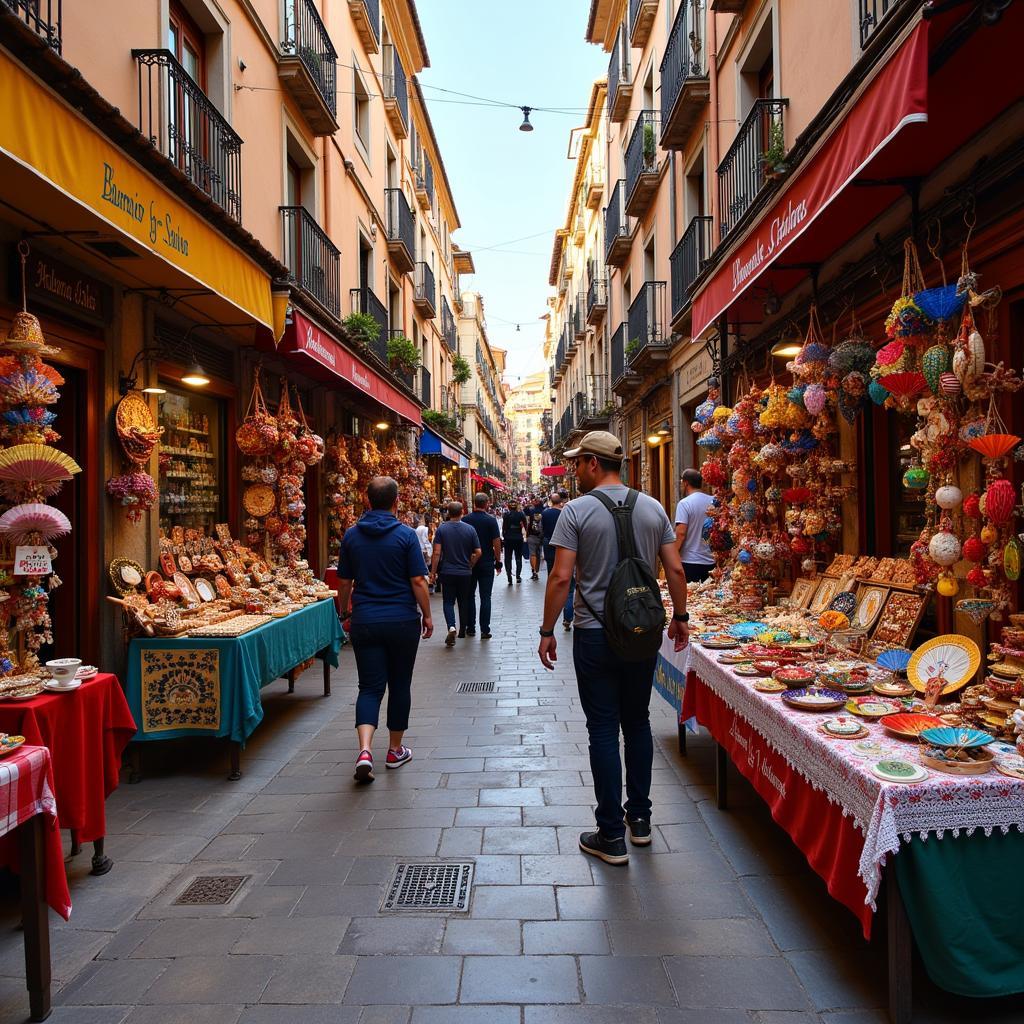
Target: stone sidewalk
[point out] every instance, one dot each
(718, 922)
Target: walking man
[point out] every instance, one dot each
(513, 536)
(534, 534)
(549, 517)
(487, 567)
(615, 693)
(691, 512)
(457, 544)
(390, 611)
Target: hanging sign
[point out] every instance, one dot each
(32, 560)
(54, 284)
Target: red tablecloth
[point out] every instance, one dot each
(25, 791)
(86, 730)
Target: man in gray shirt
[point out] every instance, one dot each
(615, 694)
(457, 544)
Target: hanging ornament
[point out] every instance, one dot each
(977, 577)
(989, 534)
(1012, 560)
(999, 501)
(944, 548)
(934, 363)
(948, 497)
(947, 585)
(975, 550)
(972, 506)
(949, 385)
(915, 478)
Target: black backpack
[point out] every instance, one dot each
(634, 615)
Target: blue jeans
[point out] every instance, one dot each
(483, 580)
(615, 695)
(385, 655)
(457, 590)
(567, 611)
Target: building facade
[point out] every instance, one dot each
(528, 410)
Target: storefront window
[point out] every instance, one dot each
(192, 453)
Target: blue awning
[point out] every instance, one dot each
(431, 444)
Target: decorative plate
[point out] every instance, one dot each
(770, 686)
(258, 500)
(794, 675)
(953, 658)
(802, 645)
(184, 584)
(745, 670)
(870, 605)
(1011, 560)
(949, 736)
(845, 602)
(8, 744)
(873, 707)
(133, 411)
(1006, 670)
(151, 580)
(185, 563)
(746, 630)
(868, 748)
(843, 728)
(204, 588)
(893, 689)
(168, 566)
(220, 583)
(1011, 766)
(86, 672)
(814, 698)
(766, 668)
(49, 684)
(125, 575)
(899, 771)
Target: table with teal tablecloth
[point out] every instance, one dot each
(210, 686)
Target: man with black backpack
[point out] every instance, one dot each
(535, 534)
(613, 536)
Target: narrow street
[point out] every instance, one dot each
(719, 921)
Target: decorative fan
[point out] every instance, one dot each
(940, 303)
(904, 385)
(18, 524)
(37, 466)
(895, 659)
(952, 659)
(994, 446)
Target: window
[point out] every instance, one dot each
(361, 100)
(757, 68)
(188, 44)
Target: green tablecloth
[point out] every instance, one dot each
(966, 909)
(216, 690)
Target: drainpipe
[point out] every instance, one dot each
(712, 27)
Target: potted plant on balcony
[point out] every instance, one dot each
(632, 347)
(650, 146)
(773, 159)
(403, 354)
(460, 370)
(362, 328)
(440, 421)
(607, 409)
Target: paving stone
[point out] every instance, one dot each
(416, 817)
(694, 900)
(591, 1015)
(298, 936)
(210, 979)
(226, 847)
(480, 816)
(599, 903)
(309, 979)
(277, 1013)
(854, 980)
(573, 937)
(191, 937)
(499, 869)
(407, 980)
(512, 797)
(520, 840)
(765, 983)
(514, 902)
(310, 871)
(626, 981)
(216, 1014)
(460, 842)
(366, 936)
(385, 1014)
(465, 1015)
(466, 935)
(519, 979)
(270, 901)
(791, 908)
(556, 870)
(113, 981)
(83, 1014)
(682, 937)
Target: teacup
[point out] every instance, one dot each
(63, 670)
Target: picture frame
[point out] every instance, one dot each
(899, 619)
(828, 587)
(871, 600)
(802, 592)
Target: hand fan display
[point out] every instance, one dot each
(33, 522)
(943, 665)
(34, 470)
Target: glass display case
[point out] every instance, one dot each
(192, 461)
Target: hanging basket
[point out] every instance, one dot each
(257, 434)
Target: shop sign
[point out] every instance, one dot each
(60, 287)
(696, 372)
(32, 560)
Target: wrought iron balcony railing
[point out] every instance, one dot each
(424, 289)
(620, 80)
(424, 388)
(641, 154)
(872, 14)
(180, 121)
(448, 330)
(401, 224)
(647, 323)
(395, 85)
(756, 153)
(620, 365)
(364, 301)
(597, 395)
(311, 257)
(307, 38)
(44, 17)
(688, 259)
(617, 226)
(407, 377)
(682, 69)
(597, 291)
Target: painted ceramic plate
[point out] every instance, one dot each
(86, 672)
(204, 588)
(814, 698)
(952, 657)
(873, 707)
(1011, 766)
(909, 725)
(899, 771)
(1005, 670)
(184, 584)
(802, 645)
(770, 686)
(746, 630)
(843, 728)
(745, 670)
(1011, 559)
(951, 736)
(888, 688)
(8, 744)
(845, 602)
(868, 748)
(794, 675)
(869, 607)
(49, 684)
(1004, 750)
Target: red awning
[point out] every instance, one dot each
(896, 97)
(553, 471)
(497, 484)
(328, 360)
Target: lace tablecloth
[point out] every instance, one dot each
(885, 813)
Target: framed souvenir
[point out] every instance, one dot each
(204, 588)
(125, 575)
(899, 620)
(803, 591)
(168, 566)
(870, 601)
(952, 659)
(827, 589)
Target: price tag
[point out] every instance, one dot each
(32, 560)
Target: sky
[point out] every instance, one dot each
(509, 185)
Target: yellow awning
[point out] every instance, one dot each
(57, 144)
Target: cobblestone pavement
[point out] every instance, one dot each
(718, 922)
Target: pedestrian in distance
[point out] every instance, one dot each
(549, 517)
(381, 571)
(513, 537)
(613, 537)
(488, 566)
(535, 534)
(457, 544)
(691, 512)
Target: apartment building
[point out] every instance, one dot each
(528, 410)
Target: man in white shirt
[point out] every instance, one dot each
(691, 512)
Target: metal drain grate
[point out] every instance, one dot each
(476, 686)
(212, 889)
(429, 887)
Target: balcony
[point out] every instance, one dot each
(43, 17)
(594, 189)
(424, 296)
(401, 229)
(641, 20)
(754, 158)
(649, 339)
(423, 391)
(406, 377)
(728, 6)
(448, 330)
(312, 259)
(688, 259)
(364, 301)
(872, 14)
(642, 164)
(181, 122)
(624, 378)
(551, 377)
(597, 296)
(580, 233)
(308, 66)
(684, 82)
(620, 81)
(366, 19)
(618, 228)
(559, 367)
(579, 317)
(396, 92)
(593, 413)
(564, 268)
(425, 184)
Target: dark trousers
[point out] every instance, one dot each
(513, 547)
(385, 655)
(615, 695)
(483, 581)
(457, 590)
(696, 572)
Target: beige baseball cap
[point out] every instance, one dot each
(597, 442)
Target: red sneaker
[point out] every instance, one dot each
(396, 758)
(364, 767)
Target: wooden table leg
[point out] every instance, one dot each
(100, 864)
(682, 738)
(236, 761)
(327, 676)
(135, 763)
(901, 951)
(76, 845)
(34, 914)
(721, 777)
(291, 680)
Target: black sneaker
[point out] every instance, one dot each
(611, 851)
(471, 632)
(639, 831)
(510, 581)
(485, 636)
(519, 579)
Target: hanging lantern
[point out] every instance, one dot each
(948, 497)
(974, 549)
(989, 534)
(815, 399)
(944, 548)
(934, 363)
(915, 478)
(972, 506)
(999, 501)
(977, 577)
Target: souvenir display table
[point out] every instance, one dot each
(30, 843)
(210, 686)
(670, 681)
(86, 731)
(823, 791)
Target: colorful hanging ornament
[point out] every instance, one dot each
(999, 501)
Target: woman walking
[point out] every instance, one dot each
(381, 568)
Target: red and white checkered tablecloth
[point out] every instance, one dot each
(25, 791)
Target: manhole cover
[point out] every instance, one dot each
(477, 686)
(212, 889)
(429, 887)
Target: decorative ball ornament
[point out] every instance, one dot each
(947, 585)
(916, 478)
(974, 549)
(977, 577)
(808, 565)
(745, 557)
(989, 534)
(934, 363)
(999, 501)
(972, 506)
(944, 548)
(948, 497)
(949, 385)
(815, 399)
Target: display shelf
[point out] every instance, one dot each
(192, 471)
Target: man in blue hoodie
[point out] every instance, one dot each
(382, 559)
